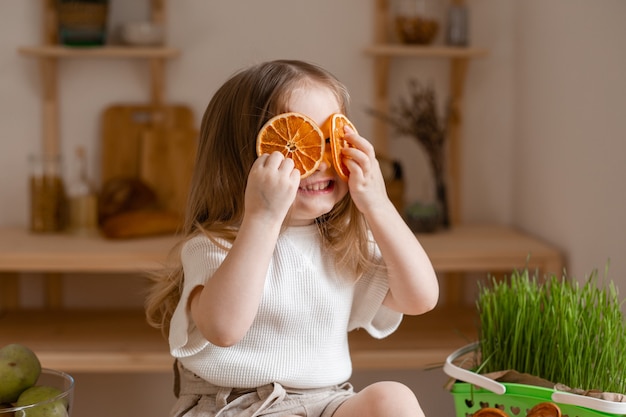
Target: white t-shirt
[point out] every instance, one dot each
(299, 336)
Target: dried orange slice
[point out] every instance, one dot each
(335, 126)
(297, 137)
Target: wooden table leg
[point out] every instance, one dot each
(454, 289)
(54, 290)
(9, 291)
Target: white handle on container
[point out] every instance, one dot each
(468, 376)
(611, 407)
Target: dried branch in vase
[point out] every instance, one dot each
(416, 116)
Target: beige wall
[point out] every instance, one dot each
(544, 146)
(570, 135)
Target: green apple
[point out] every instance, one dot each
(19, 369)
(42, 393)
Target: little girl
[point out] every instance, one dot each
(274, 270)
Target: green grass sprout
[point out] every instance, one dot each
(554, 328)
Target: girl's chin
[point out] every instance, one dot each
(308, 211)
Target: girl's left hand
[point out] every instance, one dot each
(366, 182)
(413, 286)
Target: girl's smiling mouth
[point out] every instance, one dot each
(318, 186)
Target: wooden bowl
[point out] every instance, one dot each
(416, 29)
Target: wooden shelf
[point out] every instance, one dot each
(49, 52)
(22, 251)
(121, 341)
(463, 248)
(59, 51)
(89, 341)
(399, 50)
(420, 341)
(383, 51)
(489, 248)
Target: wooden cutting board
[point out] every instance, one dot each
(154, 144)
(121, 139)
(166, 165)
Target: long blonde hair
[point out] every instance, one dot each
(226, 152)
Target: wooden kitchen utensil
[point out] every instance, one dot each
(156, 147)
(166, 164)
(121, 139)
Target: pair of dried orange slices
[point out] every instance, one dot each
(298, 137)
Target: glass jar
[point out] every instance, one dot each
(47, 194)
(82, 199)
(458, 26)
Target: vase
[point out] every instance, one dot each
(457, 30)
(441, 192)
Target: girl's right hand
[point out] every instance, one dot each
(226, 306)
(272, 187)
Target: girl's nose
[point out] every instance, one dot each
(327, 158)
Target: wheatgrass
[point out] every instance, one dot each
(555, 329)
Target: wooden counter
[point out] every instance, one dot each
(461, 249)
(121, 341)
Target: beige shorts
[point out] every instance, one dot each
(198, 398)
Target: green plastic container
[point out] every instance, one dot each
(473, 391)
(517, 400)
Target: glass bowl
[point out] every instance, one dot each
(142, 33)
(58, 406)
